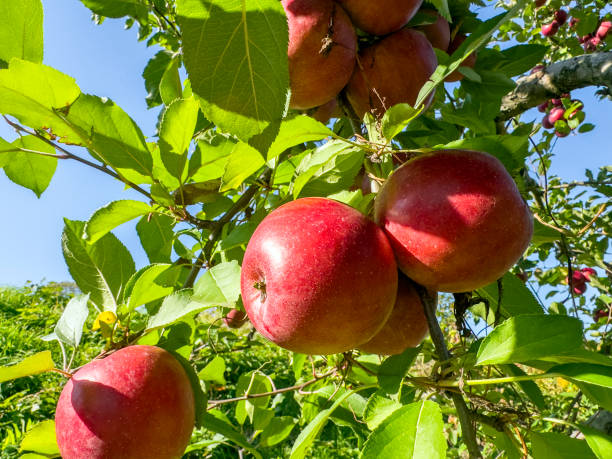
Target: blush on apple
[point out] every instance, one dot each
(318, 277)
(438, 32)
(322, 50)
(390, 72)
(406, 327)
(381, 17)
(135, 403)
(455, 219)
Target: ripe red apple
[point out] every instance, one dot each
(587, 273)
(322, 50)
(556, 114)
(381, 17)
(235, 318)
(543, 107)
(546, 124)
(390, 72)
(438, 33)
(406, 327)
(135, 403)
(561, 17)
(318, 277)
(470, 61)
(600, 314)
(548, 30)
(455, 219)
(603, 30)
(325, 112)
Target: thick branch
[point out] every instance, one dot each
(558, 78)
(463, 413)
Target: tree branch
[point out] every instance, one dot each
(558, 78)
(463, 413)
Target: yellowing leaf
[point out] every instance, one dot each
(33, 365)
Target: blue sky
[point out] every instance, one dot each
(108, 61)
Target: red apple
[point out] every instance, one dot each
(455, 219)
(546, 124)
(438, 33)
(561, 17)
(322, 50)
(543, 107)
(406, 327)
(578, 282)
(470, 61)
(235, 318)
(325, 112)
(548, 30)
(539, 3)
(587, 273)
(135, 403)
(381, 17)
(600, 314)
(390, 72)
(556, 114)
(603, 29)
(318, 277)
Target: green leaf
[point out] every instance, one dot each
(530, 388)
(552, 445)
(32, 365)
(170, 86)
(600, 443)
(528, 337)
(21, 30)
(517, 299)
(521, 58)
(112, 215)
(6, 152)
(177, 127)
(156, 235)
(313, 429)
(602, 396)
(100, 269)
(69, 327)
(543, 234)
(277, 430)
(510, 150)
(193, 193)
(112, 136)
(295, 131)
(251, 383)
(579, 355)
(379, 408)
(397, 118)
(236, 56)
(214, 371)
(217, 422)
(589, 373)
(413, 431)
(209, 160)
(442, 7)
(243, 162)
(174, 308)
(394, 368)
(34, 94)
(117, 8)
(220, 285)
(30, 170)
(152, 76)
(41, 439)
(145, 289)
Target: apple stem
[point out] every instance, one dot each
(463, 413)
(62, 372)
(261, 286)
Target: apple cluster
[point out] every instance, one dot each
(390, 68)
(319, 277)
(579, 280)
(591, 41)
(562, 114)
(551, 29)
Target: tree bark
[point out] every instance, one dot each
(558, 78)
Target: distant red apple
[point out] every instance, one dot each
(469, 61)
(438, 33)
(561, 16)
(587, 273)
(455, 219)
(322, 51)
(543, 107)
(135, 403)
(539, 3)
(556, 114)
(318, 277)
(381, 17)
(600, 314)
(549, 30)
(391, 71)
(578, 283)
(406, 327)
(235, 318)
(546, 124)
(603, 29)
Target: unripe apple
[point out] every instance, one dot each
(603, 29)
(548, 30)
(561, 17)
(438, 32)
(135, 403)
(390, 72)
(556, 114)
(406, 327)
(455, 219)
(318, 277)
(235, 318)
(469, 61)
(381, 17)
(322, 50)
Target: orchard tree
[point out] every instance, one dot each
(315, 148)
